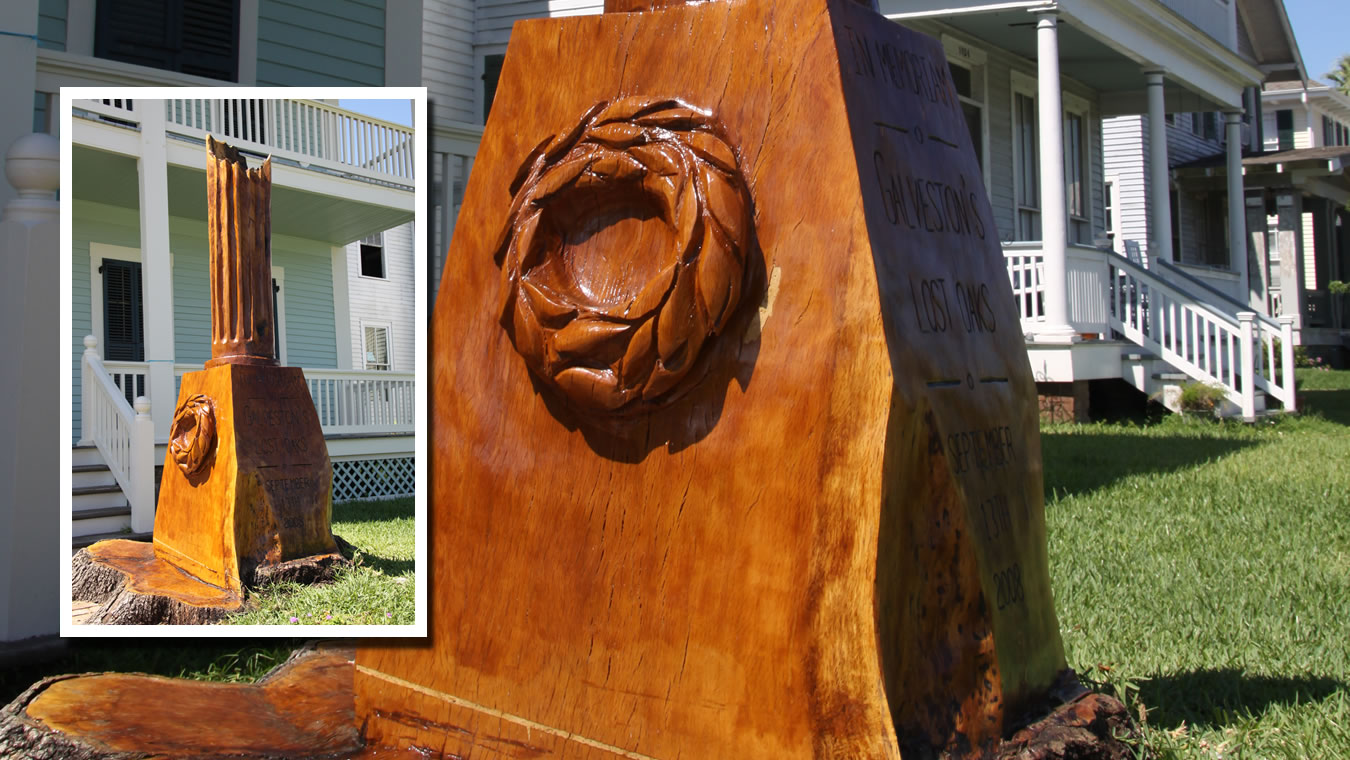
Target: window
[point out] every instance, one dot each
(372, 256)
(1197, 127)
(492, 71)
(1109, 206)
(1076, 192)
(970, 80)
(1284, 126)
(1211, 124)
(199, 37)
(376, 347)
(1026, 160)
(123, 324)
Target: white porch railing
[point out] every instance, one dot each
(303, 130)
(124, 437)
(1207, 339)
(359, 401)
(348, 401)
(453, 147)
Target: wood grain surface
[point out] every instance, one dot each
(303, 709)
(264, 494)
(831, 543)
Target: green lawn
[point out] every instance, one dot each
(378, 590)
(1202, 573)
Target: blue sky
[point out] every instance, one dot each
(397, 111)
(1321, 27)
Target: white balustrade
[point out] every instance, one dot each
(306, 131)
(1237, 352)
(1241, 351)
(453, 147)
(359, 401)
(125, 437)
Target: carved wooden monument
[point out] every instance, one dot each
(735, 442)
(246, 492)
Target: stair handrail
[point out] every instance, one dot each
(1175, 271)
(1180, 332)
(124, 436)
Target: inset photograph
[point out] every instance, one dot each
(243, 272)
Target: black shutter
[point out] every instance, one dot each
(492, 71)
(123, 328)
(199, 37)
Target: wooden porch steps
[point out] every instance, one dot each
(99, 509)
(80, 542)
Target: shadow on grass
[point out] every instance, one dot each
(1333, 405)
(1217, 698)
(1080, 464)
(390, 567)
(373, 511)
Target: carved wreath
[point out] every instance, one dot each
(626, 357)
(192, 436)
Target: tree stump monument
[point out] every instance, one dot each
(735, 447)
(246, 492)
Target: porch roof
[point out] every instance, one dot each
(1323, 171)
(1107, 46)
(304, 205)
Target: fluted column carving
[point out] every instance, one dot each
(239, 227)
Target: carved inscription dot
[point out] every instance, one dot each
(624, 252)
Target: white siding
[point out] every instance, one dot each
(385, 301)
(1126, 159)
(495, 17)
(448, 61)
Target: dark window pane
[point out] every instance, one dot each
(372, 260)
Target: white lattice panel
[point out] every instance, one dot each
(357, 479)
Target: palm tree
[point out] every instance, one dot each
(1341, 75)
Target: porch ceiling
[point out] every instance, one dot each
(111, 178)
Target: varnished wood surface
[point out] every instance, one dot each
(301, 710)
(836, 533)
(264, 494)
(147, 574)
(239, 233)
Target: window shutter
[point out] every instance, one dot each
(123, 331)
(196, 37)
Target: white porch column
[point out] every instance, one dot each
(1159, 187)
(1054, 211)
(342, 310)
(31, 433)
(156, 275)
(18, 61)
(1237, 209)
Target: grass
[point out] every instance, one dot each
(378, 590)
(1202, 574)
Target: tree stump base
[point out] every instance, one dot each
(303, 708)
(133, 586)
(1089, 727)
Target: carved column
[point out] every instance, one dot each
(238, 218)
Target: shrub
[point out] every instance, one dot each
(1200, 397)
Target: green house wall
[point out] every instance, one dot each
(320, 42)
(311, 337)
